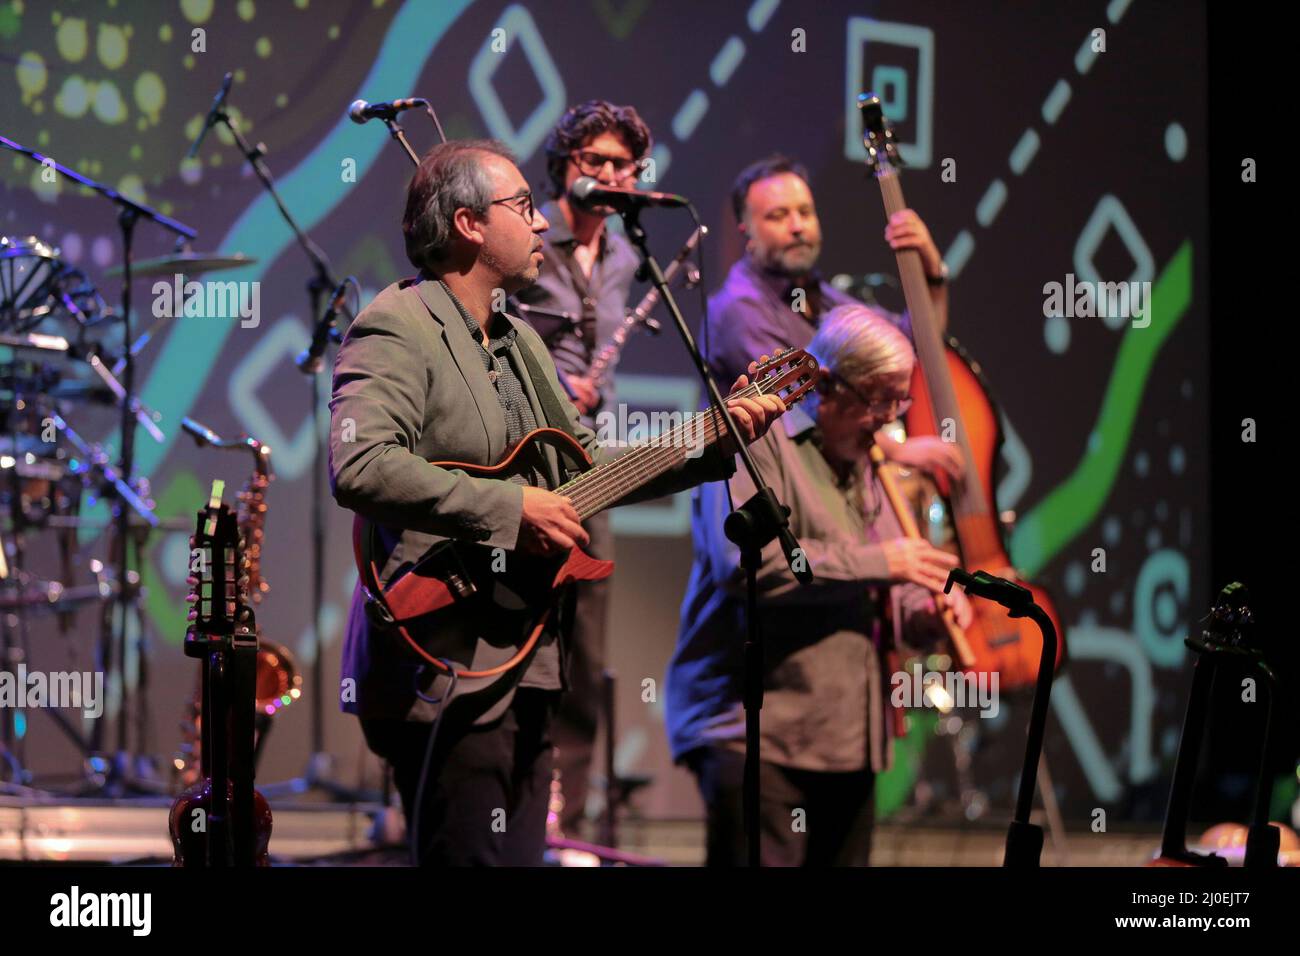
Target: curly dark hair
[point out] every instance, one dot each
(766, 168)
(582, 123)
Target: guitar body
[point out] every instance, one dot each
(1011, 647)
(476, 609)
(190, 842)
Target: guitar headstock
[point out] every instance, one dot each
(877, 135)
(218, 579)
(790, 373)
(1231, 623)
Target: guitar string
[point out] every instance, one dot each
(647, 461)
(592, 485)
(643, 462)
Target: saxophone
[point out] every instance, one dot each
(602, 365)
(279, 682)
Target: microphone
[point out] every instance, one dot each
(309, 359)
(586, 193)
(363, 112)
(217, 102)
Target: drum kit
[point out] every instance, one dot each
(63, 352)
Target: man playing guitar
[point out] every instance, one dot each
(429, 372)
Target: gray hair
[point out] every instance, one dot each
(450, 177)
(857, 344)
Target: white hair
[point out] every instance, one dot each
(858, 344)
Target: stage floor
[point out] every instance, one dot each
(134, 831)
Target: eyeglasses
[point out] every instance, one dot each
(526, 210)
(877, 407)
(591, 163)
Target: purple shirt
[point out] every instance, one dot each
(753, 314)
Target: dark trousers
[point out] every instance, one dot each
(806, 818)
(579, 714)
(486, 796)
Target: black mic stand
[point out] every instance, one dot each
(1024, 839)
(320, 763)
(751, 526)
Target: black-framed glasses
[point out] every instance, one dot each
(878, 407)
(526, 210)
(590, 163)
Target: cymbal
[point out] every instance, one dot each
(186, 263)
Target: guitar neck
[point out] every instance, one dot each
(605, 485)
(968, 499)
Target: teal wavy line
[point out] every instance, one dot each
(191, 351)
(1072, 505)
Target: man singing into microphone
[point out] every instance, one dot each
(587, 272)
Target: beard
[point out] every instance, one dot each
(514, 275)
(792, 261)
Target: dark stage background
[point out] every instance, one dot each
(1066, 160)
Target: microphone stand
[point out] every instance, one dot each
(320, 763)
(118, 778)
(1024, 839)
(751, 526)
(400, 135)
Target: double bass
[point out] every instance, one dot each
(950, 400)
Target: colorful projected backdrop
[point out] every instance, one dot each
(1041, 142)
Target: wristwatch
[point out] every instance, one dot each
(941, 278)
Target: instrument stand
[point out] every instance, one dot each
(117, 777)
(229, 669)
(753, 525)
(618, 788)
(1212, 650)
(1024, 839)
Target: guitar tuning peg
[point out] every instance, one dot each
(192, 616)
(191, 580)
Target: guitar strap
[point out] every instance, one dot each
(552, 411)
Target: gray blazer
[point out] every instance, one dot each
(410, 388)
